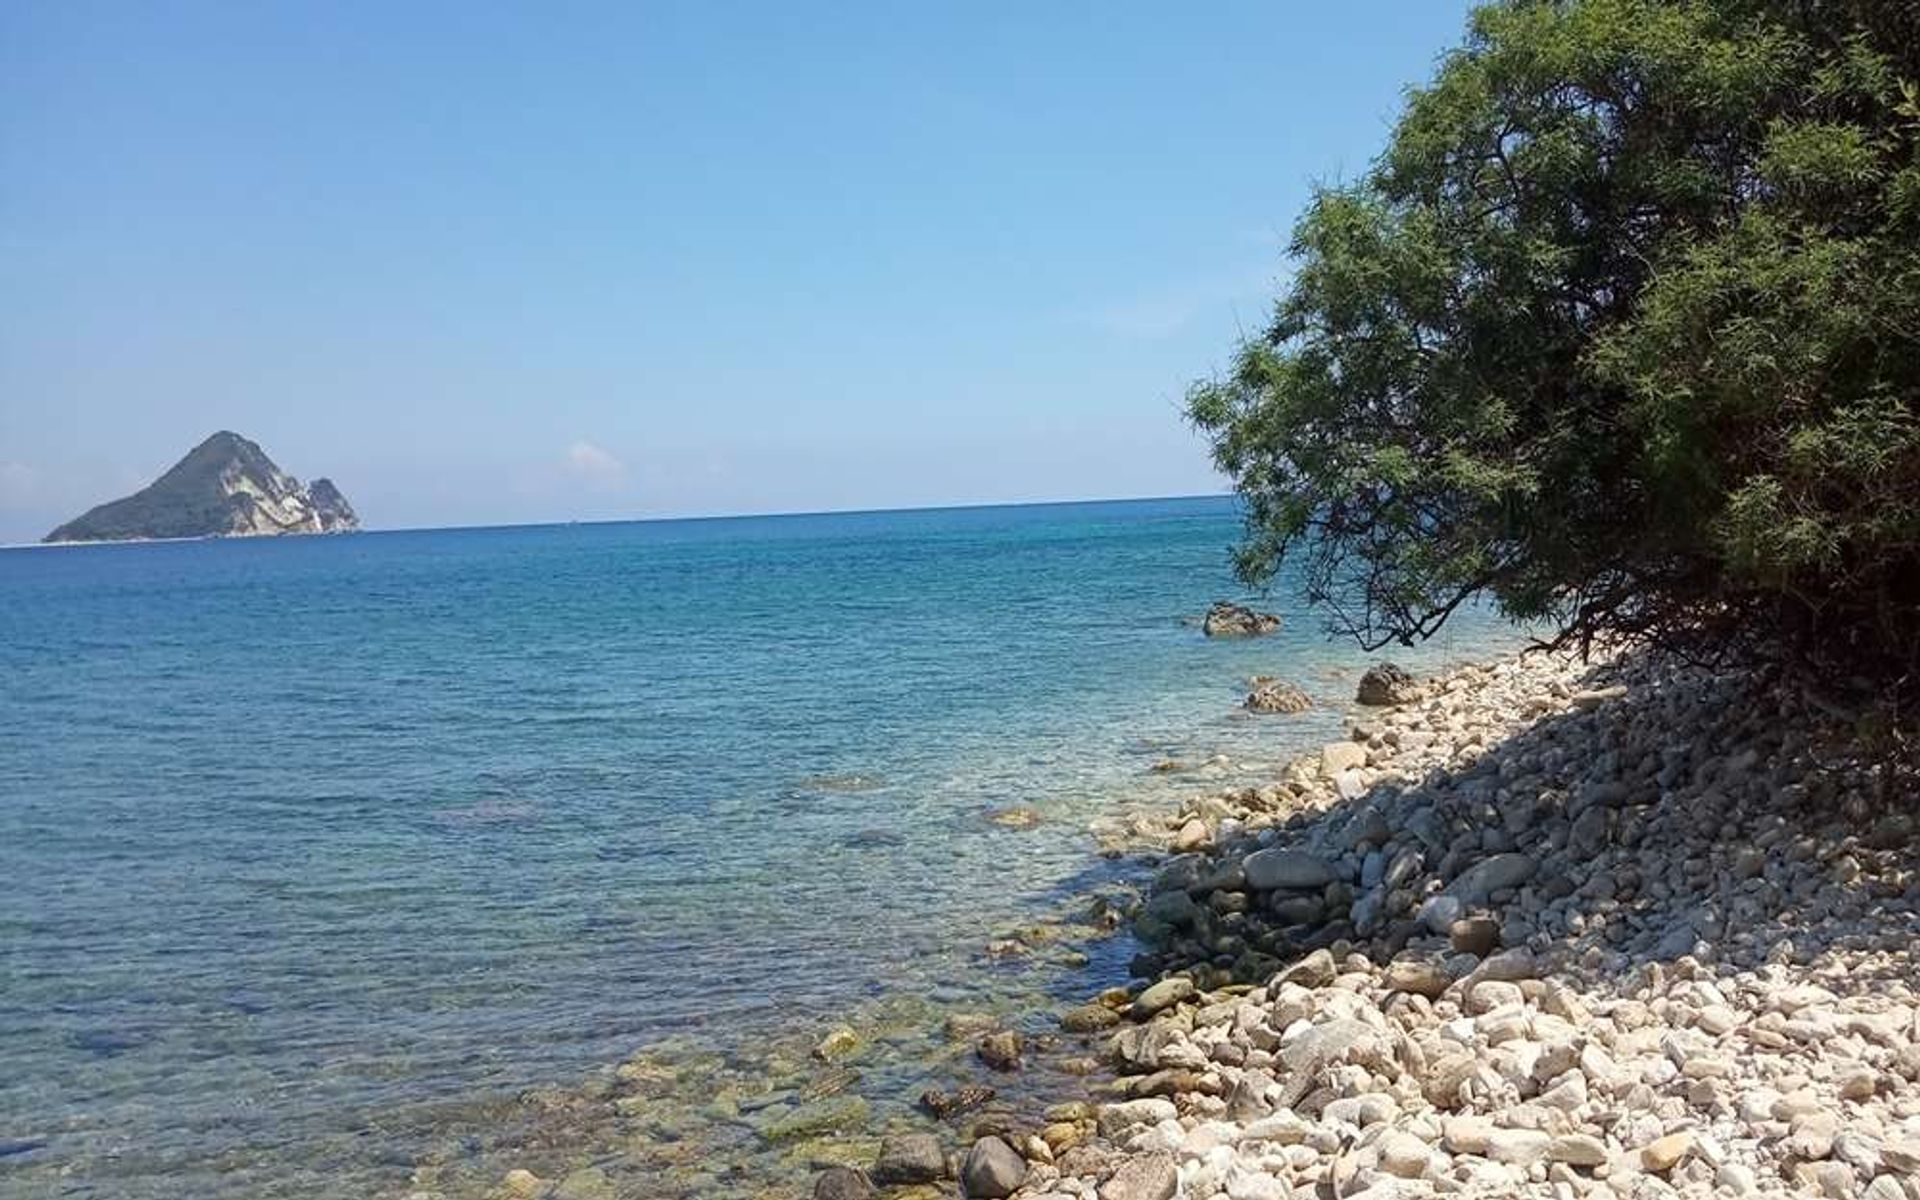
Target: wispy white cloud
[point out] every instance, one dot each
(595, 465)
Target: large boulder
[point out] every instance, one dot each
(1384, 684)
(1226, 619)
(992, 1169)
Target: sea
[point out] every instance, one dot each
(358, 865)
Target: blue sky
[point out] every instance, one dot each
(576, 261)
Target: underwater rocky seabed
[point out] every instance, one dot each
(762, 1117)
(759, 1113)
(1011, 1037)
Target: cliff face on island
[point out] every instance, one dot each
(225, 487)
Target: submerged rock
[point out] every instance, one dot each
(1019, 817)
(521, 1184)
(588, 1183)
(836, 1114)
(840, 1042)
(1001, 1050)
(842, 1183)
(963, 1099)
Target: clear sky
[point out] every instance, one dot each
(498, 263)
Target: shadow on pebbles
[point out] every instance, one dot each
(1539, 928)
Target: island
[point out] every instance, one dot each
(225, 487)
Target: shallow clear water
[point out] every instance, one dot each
(297, 834)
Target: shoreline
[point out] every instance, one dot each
(1322, 1005)
(771, 1115)
(1544, 929)
(1022, 1054)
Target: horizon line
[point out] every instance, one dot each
(963, 506)
(966, 506)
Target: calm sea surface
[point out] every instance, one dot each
(299, 834)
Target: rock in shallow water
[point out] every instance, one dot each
(963, 1099)
(836, 1114)
(842, 1183)
(1226, 619)
(1277, 696)
(1193, 835)
(840, 1042)
(1019, 817)
(1089, 1018)
(910, 1158)
(1001, 1050)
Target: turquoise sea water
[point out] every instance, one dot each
(300, 834)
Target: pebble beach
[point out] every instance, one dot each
(1539, 927)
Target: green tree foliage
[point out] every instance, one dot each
(1622, 330)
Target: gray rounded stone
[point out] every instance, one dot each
(991, 1170)
(1289, 870)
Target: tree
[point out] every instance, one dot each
(1622, 330)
